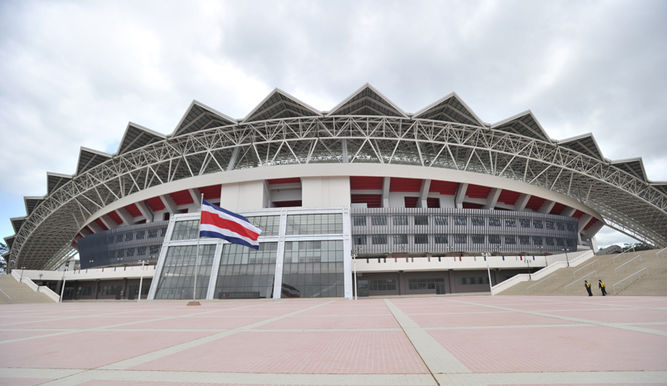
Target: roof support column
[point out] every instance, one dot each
(521, 203)
(492, 199)
(423, 193)
(96, 228)
(125, 216)
(568, 212)
(108, 222)
(547, 206)
(196, 196)
(460, 195)
(145, 211)
(385, 192)
(169, 203)
(583, 220)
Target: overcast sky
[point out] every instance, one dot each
(75, 73)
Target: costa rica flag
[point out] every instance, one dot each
(220, 223)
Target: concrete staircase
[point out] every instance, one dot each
(630, 273)
(11, 291)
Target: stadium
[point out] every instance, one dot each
(364, 199)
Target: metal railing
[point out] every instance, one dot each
(628, 280)
(541, 282)
(579, 279)
(596, 263)
(627, 262)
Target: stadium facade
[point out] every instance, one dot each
(364, 182)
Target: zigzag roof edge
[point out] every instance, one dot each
(629, 160)
(25, 202)
(61, 175)
(140, 128)
(522, 114)
(359, 90)
(579, 137)
(446, 97)
(97, 152)
(205, 107)
(283, 93)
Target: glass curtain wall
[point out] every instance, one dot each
(246, 272)
(313, 269)
(177, 278)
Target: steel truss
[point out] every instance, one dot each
(626, 202)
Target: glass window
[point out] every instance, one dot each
(538, 224)
(140, 235)
(152, 233)
(570, 227)
(421, 239)
(270, 225)
(477, 239)
(549, 224)
(400, 220)
(400, 239)
(421, 220)
(510, 223)
(560, 226)
(440, 239)
(494, 221)
(359, 220)
(440, 220)
(360, 240)
(477, 221)
(129, 236)
(524, 240)
(436, 284)
(560, 242)
(549, 240)
(314, 224)
(494, 239)
(119, 238)
(141, 251)
(379, 239)
(379, 220)
(185, 230)
(382, 284)
(460, 239)
(525, 222)
(510, 240)
(177, 277)
(313, 269)
(129, 252)
(460, 220)
(246, 272)
(537, 240)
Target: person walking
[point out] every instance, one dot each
(603, 287)
(588, 287)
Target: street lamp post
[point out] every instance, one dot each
(530, 277)
(354, 269)
(62, 290)
(141, 279)
(22, 269)
(567, 259)
(488, 270)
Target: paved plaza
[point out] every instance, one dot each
(400, 340)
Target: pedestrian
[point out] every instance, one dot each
(603, 287)
(588, 287)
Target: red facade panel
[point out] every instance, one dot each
(182, 197)
(155, 203)
(285, 204)
(114, 216)
(470, 205)
(557, 209)
(294, 180)
(592, 222)
(371, 200)
(211, 192)
(432, 202)
(405, 185)
(508, 197)
(101, 224)
(535, 203)
(477, 191)
(578, 214)
(133, 210)
(366, 183)
(443, 187)
(410, 202)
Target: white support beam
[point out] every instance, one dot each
(196, 196)
(583, 220)
(385, 192)
(145, 211)
(568, 212)
(169, 203)
(460, 195)
(521, 202)
(95, 227)
(125, 216)
(492, 199)
(423, 193)
(108, 222)
(547, 206)
(232, 159)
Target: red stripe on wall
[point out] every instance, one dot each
(114, 216)
(155, 203)
(101, 224)
(133, 210)
(371, 200)
(409, 185)
(366, 183)
(286, 204)
(508, 197)
(182, 197)
(557, 209)
(293, 180)
(444, 187)
(211, 192)
(578, 214)
(410, 202)
(477, 191)
(535, 203)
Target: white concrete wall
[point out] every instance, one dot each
(242, 196)
(323, 192)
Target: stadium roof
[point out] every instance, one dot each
(445, 134)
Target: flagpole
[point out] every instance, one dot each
(194, 290)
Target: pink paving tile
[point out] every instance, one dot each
(490, 319)
(330, 321)
(195, 323)
(555, 349)
(8, 334)
(303, 352)
(87, 349)
(615, 315)
(79, 323)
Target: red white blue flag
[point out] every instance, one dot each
(223, 224)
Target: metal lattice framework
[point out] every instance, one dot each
(626, 202)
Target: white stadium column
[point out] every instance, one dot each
(568, 212)
(169, 203)
(547, 206)
(145, 211)
(492, 199)
(125, 216)
(196, 196)
(385, 192)
(108, 222)
(423, 193)
(583, 220)
(521, 203)
(460, 195)
(95, 227)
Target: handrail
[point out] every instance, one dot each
(628, 262)
(623, 252)
(540, 282)
(640, 273)
(594, 262)
(579, 279)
